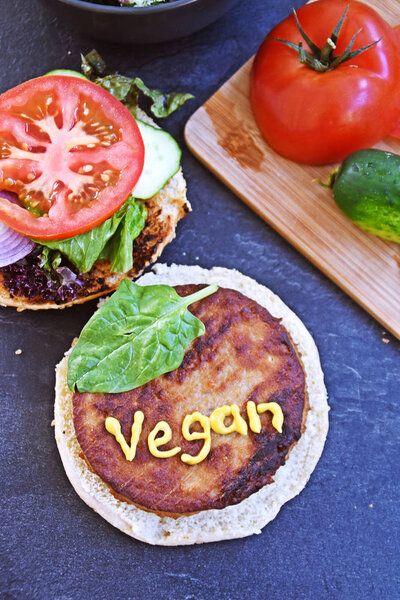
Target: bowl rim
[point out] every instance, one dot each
(89, 6)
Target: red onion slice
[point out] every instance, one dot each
(13, 245)
(10, 196)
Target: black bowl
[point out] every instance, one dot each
(158, 23)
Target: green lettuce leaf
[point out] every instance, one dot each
(119, 249)
(113, 239)
(128, 90)
(50, 260)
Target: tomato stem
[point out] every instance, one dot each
(322, 59)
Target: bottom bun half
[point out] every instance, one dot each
(253, 513)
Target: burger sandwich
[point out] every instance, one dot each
(91, 190)
(191, 408)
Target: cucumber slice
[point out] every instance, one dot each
(162, 158)
(66, 73)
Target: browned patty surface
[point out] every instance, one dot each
(244, 355)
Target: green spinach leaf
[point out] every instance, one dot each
(113, 239)
(138, 334)
(128, 90)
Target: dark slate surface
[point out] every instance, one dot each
(340, 537)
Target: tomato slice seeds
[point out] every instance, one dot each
(70, 151)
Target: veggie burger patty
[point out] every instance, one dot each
(246, 355)
(26, 285)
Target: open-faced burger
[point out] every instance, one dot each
(181, 426)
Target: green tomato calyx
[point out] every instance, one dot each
(323, 59)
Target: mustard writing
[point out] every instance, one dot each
(113, 426)
(215, 422)
(195, 435)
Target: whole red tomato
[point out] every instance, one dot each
(321, 117)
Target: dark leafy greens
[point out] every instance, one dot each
(141, 332)
(27, 278)
(113, 239)
(129, 90)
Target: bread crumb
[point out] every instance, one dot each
(370, 505)
(53, 423)
(385, 340)
(18, 351)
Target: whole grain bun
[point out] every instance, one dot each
(164, 210)
(254, 512)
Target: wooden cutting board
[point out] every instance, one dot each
(224, 136)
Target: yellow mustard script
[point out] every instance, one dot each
(215, 422)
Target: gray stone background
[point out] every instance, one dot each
(340, 537)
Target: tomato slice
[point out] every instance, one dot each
(70, 151)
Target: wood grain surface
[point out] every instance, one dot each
(224, 136)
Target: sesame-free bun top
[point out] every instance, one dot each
(235, 520)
